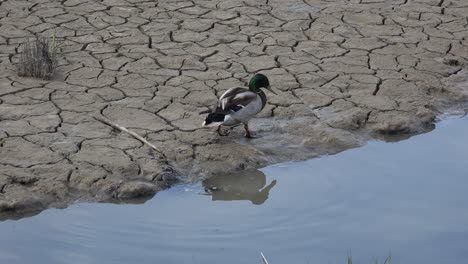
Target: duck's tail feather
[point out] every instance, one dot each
(214, 119)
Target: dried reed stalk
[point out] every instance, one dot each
(265, 261)
(38, 58)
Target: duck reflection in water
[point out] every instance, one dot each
(243, 185)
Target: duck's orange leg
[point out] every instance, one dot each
(247, 132)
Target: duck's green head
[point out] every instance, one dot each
(259, 81)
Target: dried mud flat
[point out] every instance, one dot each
(345, 72)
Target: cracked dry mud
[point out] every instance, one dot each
(345, 71)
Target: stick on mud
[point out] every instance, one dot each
(108, 122)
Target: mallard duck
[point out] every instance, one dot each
(238, 105)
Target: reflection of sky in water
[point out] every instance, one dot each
(409, 197)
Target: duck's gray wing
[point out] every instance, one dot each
(234, 98)
(231, 100)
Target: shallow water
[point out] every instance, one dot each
(409, 197)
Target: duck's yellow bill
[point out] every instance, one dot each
(269, 89)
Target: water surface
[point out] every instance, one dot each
(409, 197)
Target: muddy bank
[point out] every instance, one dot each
(345, 72)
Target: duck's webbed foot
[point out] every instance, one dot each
(222, 132)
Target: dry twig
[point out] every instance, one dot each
(106, 121)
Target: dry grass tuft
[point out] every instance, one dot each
(38, 59)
